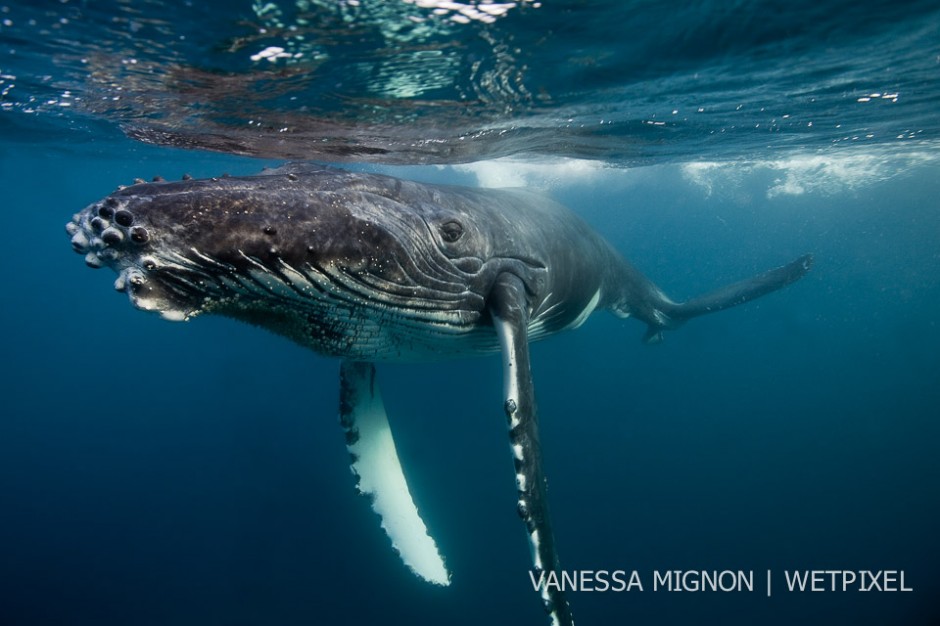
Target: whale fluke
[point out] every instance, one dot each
(670, 315)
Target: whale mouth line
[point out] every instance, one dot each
(180, 285)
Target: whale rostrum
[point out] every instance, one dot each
(370, 268)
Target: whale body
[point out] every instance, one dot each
(370, 268)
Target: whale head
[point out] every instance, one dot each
(120, 232)
(302, 252)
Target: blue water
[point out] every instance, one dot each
(155, 473)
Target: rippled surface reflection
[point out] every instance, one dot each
(432, 81)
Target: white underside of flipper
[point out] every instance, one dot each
(376, 464)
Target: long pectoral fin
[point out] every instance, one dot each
(510, 317)
(376, 465)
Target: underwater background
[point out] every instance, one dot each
(194, 473)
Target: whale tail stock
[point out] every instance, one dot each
(664, 314)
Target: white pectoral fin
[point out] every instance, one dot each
(375, 463)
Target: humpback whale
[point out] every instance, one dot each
(370, 268)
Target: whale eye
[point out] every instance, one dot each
(451, 231)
